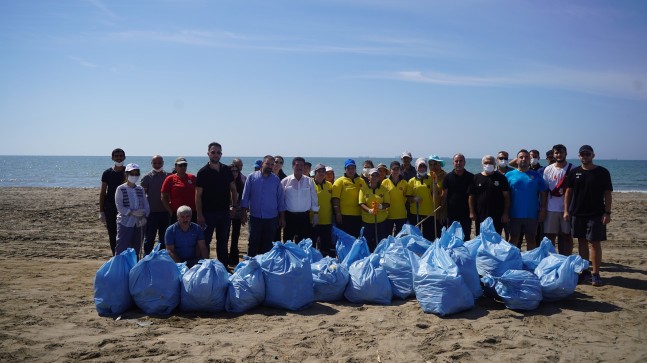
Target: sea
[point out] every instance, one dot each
(85, 171)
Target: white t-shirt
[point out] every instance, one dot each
(552, 176)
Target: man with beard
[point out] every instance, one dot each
(555, 178)
(455, 195)
(110, 180)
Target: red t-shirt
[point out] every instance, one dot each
(181, 191)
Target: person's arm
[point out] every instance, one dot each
(234, 199)
(170, 249)
(505, 217)
(568, 195)
(606, 217)
(169, 238)
(471, 202)
(166, 202)
(514, 163)
(102, 199)
(198, 206)
(543, 197)
(336, 210)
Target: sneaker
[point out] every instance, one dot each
(584, 277)
(596, 280)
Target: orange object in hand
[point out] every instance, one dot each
(375, 207)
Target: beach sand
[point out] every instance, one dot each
(51, 245)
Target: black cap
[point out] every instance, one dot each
(586, 148)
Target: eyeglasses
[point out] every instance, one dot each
(278, 162)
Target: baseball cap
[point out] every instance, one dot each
(132, 166)
(586, 148)
(382, 166)
(320, 166)
(405, 154)
(180, 160)
(372, 171)
(329, 168)
(258, 164)
(437, 159)
(349, 162)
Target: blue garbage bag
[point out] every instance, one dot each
(438, 284)
(369, 282)
(343, 242)
(204, 287)
(395, 261)
(288, 277)
(451, 240)
(495, 255)
(154, 283)
(473, 245)
(519, 289)
(246, 288)
(358, 250)
(383, 245)
(532, 258)
(313, 254)
(111, 294)
(409, 230)
(558, 275)
(329, 279)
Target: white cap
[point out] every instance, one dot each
(132, 166)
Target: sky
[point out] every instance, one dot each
(334, 78)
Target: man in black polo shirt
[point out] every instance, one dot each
(110, 180)
(216, 201)
(455, 195)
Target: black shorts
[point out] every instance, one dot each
(590, 228)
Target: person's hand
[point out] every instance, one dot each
(102, 217)
(567, 216)
(338, 219)
(141, 222)
(542, 215)
(243, 218)
(138, 212)
(315, 219)
(472, 216)
(417, 199)
(606, 218)
(505, 218)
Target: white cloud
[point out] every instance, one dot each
(82, 62)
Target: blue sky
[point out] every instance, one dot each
(322, 78)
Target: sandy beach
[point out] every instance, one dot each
(51, 245)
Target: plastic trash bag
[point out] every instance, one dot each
(343, 242)
(358, 250)
(383, 245)
(154, 283)
(246, 288)
(204, 287)
(495, 256)
(395, 261)
(558, 275)
(111, 294)
(329, 279)
(519, 289)
(532, 258)
(313, 254)
(369, 282)
(288, 277)
(438, 284)
(409, 230)
(451, 240)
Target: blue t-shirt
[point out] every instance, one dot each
(184, 242)
(524, 193)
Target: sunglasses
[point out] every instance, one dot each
(181, 165)
(502, 158)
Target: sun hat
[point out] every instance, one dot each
(437, 159)
(420, 161)
(132, 166)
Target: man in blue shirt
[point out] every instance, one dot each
(263, 197)
(528, 193)
(185, 239)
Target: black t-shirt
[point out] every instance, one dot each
(216, 195)
(457, 194)
(113, 179)
(488, 191)
(588, 188)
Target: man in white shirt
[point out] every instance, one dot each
(300, 198)
(555, 178)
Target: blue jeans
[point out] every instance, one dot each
(219, 221)
(261, 235)
(156, 224)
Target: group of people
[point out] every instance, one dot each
(524, 199)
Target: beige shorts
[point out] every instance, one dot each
(555, 223)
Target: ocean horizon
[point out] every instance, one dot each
(85, 171)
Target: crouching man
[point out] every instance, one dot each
(185, 239)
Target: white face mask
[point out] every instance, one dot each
(365, 172)
(421, 175)
(503, 163)
(133, 178)
(159, 170)
(534, 161)
(488, 168)
(119, 164)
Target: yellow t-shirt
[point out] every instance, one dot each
(398, 194)
(324, 196)
(367, 196)
(347, 190)
(423, 189)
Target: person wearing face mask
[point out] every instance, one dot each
(132, 210)
(527, 202)
(489, 196)
(367, 166)
(263, 198)
(502, 162)
(423, 190)
(158, 219)
(110, 180)
(374, 199)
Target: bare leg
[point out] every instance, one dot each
(583, 248)
(531, 242)
(565, 244)
(595, 250)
